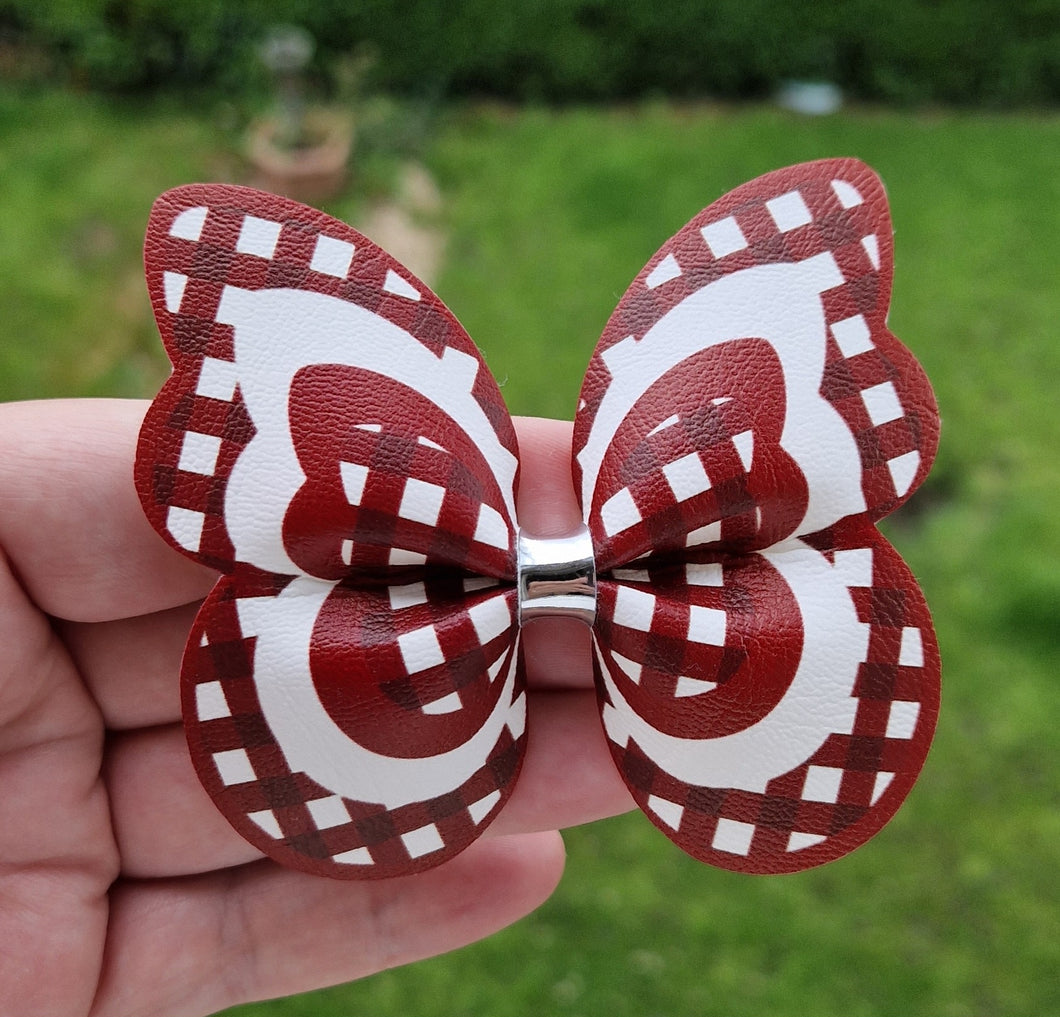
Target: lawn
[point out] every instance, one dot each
(953, 909)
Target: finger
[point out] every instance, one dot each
(52, 803)
(57, 856)
(132, 665)
(546, 506)
(70, 519)
(191, 947)
(557, 653)
(72, 525)
(556, 650)
(568, 776)
(167, 825)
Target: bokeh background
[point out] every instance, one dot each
(528, 158)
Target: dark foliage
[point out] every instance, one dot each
(966, 52)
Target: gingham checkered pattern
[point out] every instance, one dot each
(848, 789)
(201, 239)
(392, 488)
(389, 493)
(293, 818)
(711, 473)
(692, 479)
(398, 508)
(836, 209)
(675, 631)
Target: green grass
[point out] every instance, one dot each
(953, 909)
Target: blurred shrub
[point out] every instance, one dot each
(981, 52)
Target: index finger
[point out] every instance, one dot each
(70, 520)
(72, 526)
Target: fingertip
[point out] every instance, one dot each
(542, 857)
(493, 884)
(505, 878)
(547, 505)
(524, 870)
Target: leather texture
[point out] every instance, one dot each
(332, 442)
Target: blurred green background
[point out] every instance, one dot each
(550, 204)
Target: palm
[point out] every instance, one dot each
(122, 891)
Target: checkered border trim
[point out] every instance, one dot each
(387, 494)
(199, 239)
(287, 815)
(854, 783)
(836, 207)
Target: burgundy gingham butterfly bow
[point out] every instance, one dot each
(332, 442)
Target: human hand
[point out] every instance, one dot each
(122, 890)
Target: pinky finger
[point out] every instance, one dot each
(190, 947)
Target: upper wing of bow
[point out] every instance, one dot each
(326, 411)
(747, 389)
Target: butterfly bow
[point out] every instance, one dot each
(333, 443)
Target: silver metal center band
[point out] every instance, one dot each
(556, 576)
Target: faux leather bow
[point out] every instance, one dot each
(332, 441)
